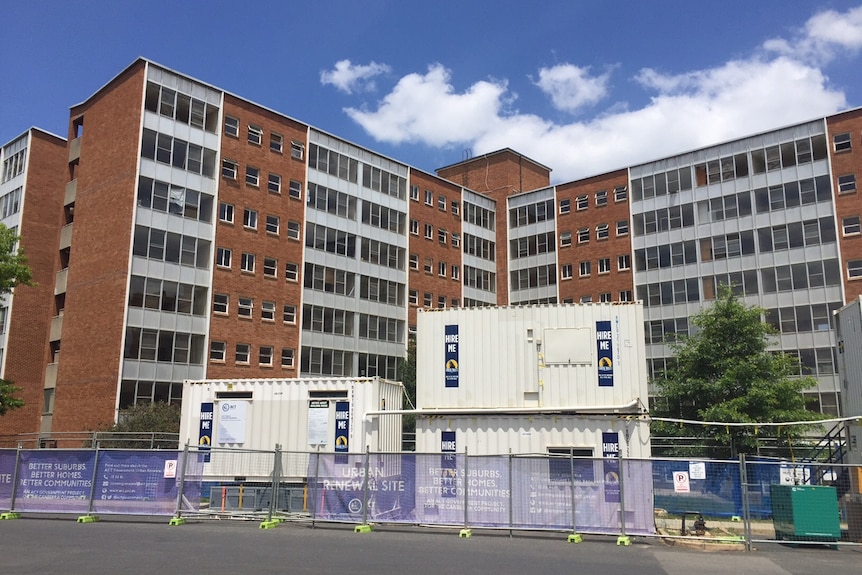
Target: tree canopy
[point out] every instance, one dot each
(138, 423)
(724, 372)
(14, 271)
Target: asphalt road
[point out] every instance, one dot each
(48, 545)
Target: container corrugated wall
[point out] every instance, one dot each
(849, 335)
(531, 356)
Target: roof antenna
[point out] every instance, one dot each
(468, 153)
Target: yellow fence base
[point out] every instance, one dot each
(88, 519)
(575, 538)
(362, 529)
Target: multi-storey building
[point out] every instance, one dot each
(184, 232)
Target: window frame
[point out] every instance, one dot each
(255, 135)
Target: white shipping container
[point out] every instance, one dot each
(300, 415)
(848, 331)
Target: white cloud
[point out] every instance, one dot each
(349, 77)
(571, 87)
(779, 85)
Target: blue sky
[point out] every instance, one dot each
(582, 87)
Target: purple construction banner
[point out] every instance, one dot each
(57, 481)
(7, 476)
(138, 482)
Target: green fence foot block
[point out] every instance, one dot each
(575, 538)
(362, 529)
(465, 533)
(624, 540)
(177, 521)
(10, 515)
(736, 518)
(88, 519)
(269, 524)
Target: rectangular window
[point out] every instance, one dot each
(429, 231)
(586, 299)
(620, 194)
(842, 142)
(247, 263)
(566, 271)
(584, 269)
(270, 267)
(414, 262)
(255, 134)
(287, 357)
(291, 272)
(413, 297)
(297, 150)
(265, 355)
(854, 269)
(583, 235)
(441, 202)
(583, 202)
(602, 232)
(456, 240)
(602, 198)
(441, 301)
(414, 227)
(289, 314)
(252, 176)
(456, 273)
(217, 351)
(220, 303)
(225, 213)
(272, 224)
(223, 256)
(414, 193)
(623, 228)
(565, 206)
(846, 183)
(565, 239)
(604, 265)
(295, 190)
(456, 208)
(249, 219)
(442, 236)
(429, 265)
(231, 128)
(245, 307)
(294, 230)
(273, 184)
(243, 351)
(427, 298)
(626, 295)
(851, 225)
(605, 297)
(267, 310)
(429, 198)
(276, 143)
(229, 169)
(624, 262)
(441, 269)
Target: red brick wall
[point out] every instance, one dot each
(30, 319)
(498, 174)
(847, 204)
(96, 293)
(439, 219)
(230, 328)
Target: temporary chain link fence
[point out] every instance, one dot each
(732, 502)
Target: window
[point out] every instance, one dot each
(586, 299)
(620, 194)
(293, 230)
(247, 263)
(223, 257)
(265, 355)
(456, 273)
(272, 224)
(441, 202)
(604, 265)
(565, 206)
(566, 271)
(846, 183)
(297, 150)
(605, 297)
(427, 298)
(456, 208)
(624, 262)
(255, 134)
(249, 219)
(413, 297)
(225, 213)
(414, 262)
(623, 228)
(270, 267)
(220, 303)
(229, 169)
(267, 310)
(231, 128)
(441, 269)
(414, 227)
(429, 265)
(583, 202)
(245, 307)
(842, 142)
(442, 236)
(273, 184)
(414, 193)
(429, 231)
(602, 198)
(289, 314)
(252, 176)
(851, 225)
(243, 351)
(291, 272)
(583, 235)
(602, 232)
(441, 301)
(854, 268)
(584, 269)
(429, 198)
(565, 239)
(295, 190)
(276, 143)
(287, 356)
(626, 295)
(217, 350)
(456, 240)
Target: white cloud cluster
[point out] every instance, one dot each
(350, 78)
(780, 84)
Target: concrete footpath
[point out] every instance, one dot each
(39, 545)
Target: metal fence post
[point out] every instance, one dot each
(574, 537)
(89, 517)
(623, 539)
(511, 504)
(177, 518)
(746, 508)
(314, 489)
(365, 527)
(12, 514)
(465, 532)
(273, 496)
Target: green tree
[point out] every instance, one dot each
(724, 372)
(407, 371)
(14, 271)
(142, 423)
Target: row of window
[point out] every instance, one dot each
(480, 247)
(442, 267)
(171, 247)
(603, 267)
(531, 213)
(10, 203)
(144, 344)
(272, 223)
(441, 200)
(341, 322)
(165, 295)
(133, 392)
(13, 165)
(171, 151)
(248, 263)
(539, 276)
(254, 136)
(230, 170)
(245, 308)
(332, 163)
(336, 362)
(602, 233)
(479, 216)
(331, 201)
(428, 300)
(605, 297)
(243, 354)
(181, 107)
(173, 199)
(582, 201)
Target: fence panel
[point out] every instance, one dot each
(55, 480)
(7, 476)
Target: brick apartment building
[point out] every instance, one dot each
(183, 232)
